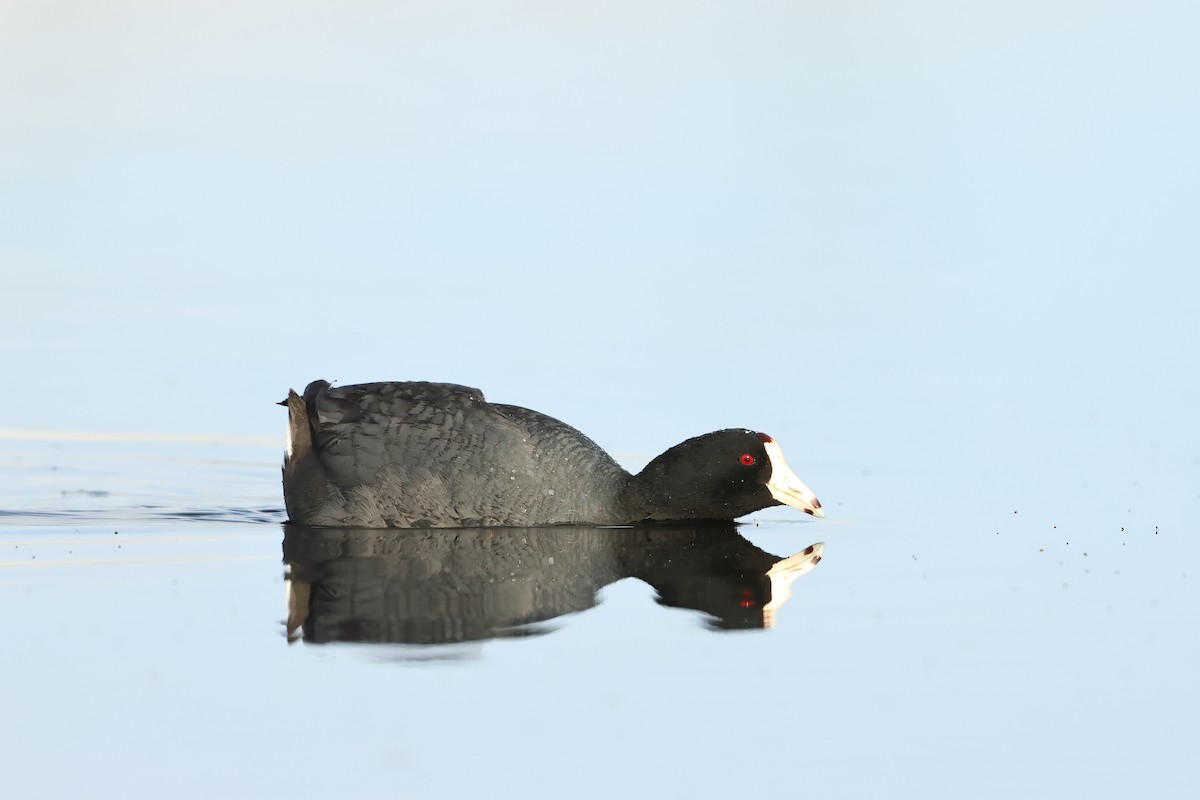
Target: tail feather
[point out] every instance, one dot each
(299, 441)
(306, 487)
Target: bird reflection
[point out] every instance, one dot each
(438, 586)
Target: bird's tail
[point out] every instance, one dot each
(306, 488)
(299, 440)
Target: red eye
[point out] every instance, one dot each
(747, 459)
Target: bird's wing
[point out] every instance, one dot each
(418, 428)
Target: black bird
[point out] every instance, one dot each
(437, 455)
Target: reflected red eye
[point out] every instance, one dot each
(747, 459)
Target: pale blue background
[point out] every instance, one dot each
(945, 252)
(839, 222)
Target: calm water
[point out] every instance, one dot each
(944, 253)
(165, 632)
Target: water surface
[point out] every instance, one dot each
(161, 621)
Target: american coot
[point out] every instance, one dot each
(437, 455)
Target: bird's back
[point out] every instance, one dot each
(419, 454)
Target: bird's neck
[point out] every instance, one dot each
(651, 495)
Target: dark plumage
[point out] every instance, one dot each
(437, 455)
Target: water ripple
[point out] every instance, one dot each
(142, 513)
